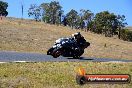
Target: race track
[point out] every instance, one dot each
(11, 56)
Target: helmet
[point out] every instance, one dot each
(76, 35)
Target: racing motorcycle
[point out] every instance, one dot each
(68, 47)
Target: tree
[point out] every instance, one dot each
(87, 16)
(120, 24)
(72, 18)
(105, 23)
(100, 22)
(3, 7)
(64, 21)
(46, 12)
(60, 15)
(80, 22)
(52, 12)
(108, 23)
(35, 11)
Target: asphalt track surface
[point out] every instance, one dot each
(11, 56)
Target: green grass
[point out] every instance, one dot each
(58, 74)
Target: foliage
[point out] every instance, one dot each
(52, 12)
(104, 22)
(86, 15)
(108, 23)
(126, 35)
(3, 7)
(72, 18)
(120, 24)
(35, 11)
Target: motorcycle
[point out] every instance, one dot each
(68, 47)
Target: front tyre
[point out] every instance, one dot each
(56, 53)
(50, 51)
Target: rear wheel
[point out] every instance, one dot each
(78, 54)
(76, 57)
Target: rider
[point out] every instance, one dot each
(79, 40)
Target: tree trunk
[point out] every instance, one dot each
(60, 20)
(119, 35)
(0, 17)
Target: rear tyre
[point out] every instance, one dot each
(76, 57)
(78, 54)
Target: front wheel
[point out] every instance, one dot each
(56, 53)
(50, 51)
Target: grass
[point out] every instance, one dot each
(30, 36)
(57, 75)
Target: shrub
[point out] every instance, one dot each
(126, 35)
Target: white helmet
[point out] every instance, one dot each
(77, 34)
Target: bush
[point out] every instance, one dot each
(129, 36)
(126, 35)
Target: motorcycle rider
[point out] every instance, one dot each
(79, 39)
(73, 46)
